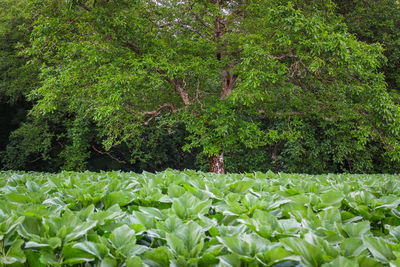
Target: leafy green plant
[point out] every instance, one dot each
(198, 219)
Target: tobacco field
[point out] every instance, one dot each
(192, 218)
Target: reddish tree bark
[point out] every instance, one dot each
(217, 163)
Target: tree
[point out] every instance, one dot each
(377, 21)
(16, 77)
(215, 65)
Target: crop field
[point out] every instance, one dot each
(198, 219)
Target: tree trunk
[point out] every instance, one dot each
(217, 163)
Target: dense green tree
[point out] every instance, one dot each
(16, 77)
(217, 66)
(377, 21)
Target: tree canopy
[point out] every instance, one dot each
(236, 75)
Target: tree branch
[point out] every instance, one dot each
(85, 7)
(291, 113)
(133, 47)
(178, 84)
(108, 154)
(155, 113)
(188, 27)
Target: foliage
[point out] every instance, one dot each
(198, 219)
(16, 77)
(62, 141)
(377, 21)
(307, 96)
(217, 66)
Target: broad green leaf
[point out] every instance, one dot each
(188, 206)
(231, 230)
(10, 224)
(262, 222)
(395, 232)
(30, 228)
(329, 216)
(187, 241)
(153, 212)
(379, 248)
(122, 236)
(208, 259)
(365, 261)
(357, 229)
(170, 225)
(80, 231)
(231, 260)
(310, 254)
(109, 262)
(234, 244)
(353, 246)
(14, 254)
(158, 257)
(134, 262)
(331, 198)
(177, 245)
(140, 218)
(175, 191)
(95, 249)
(342, 262)
(122, 198)
(74, 255)
(49, 258)
(390, 202)
(33, 258)
(329, 251)
(240, 186)
(33, 244)
(275, 255)
(246, 245)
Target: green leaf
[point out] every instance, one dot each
(153, 212)
(331, 198)
(379, 248)
(109, 262)
(134, 262)
(33, 258)
(55, 242)
(80, 231)
(240, 186)
(310, 254)
(122, 198)
(353, 246)
(122, 236)
(246, 245)
(262, 222)
(175, 191)
(230, 260)
(329, 216)
(276, 255)
(33, 244)
(158, 257)
(170, 225)
(357, 229)
(365, 261)
(95, 249)
(188, 206)
(74, 255)
(14, 254)
(234, 244)
(187, 241)
(49, 258)
(342, 262)
(395, 232)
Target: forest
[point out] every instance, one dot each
(212, 85)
